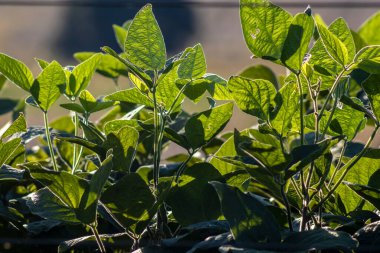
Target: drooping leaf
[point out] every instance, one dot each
(81, 75)
(130, 201)
(371, 194)
(249, 219)
(320, 239)
(368, 237)
(202, 127)
(368, 30)
(297, 41)
(86, 212)
(194, 64)
(18, 126)
(124, 144)
(193, 199)
(47, 87)
(7, 149)
(287, 104)
(371, 87)
(265, 27)
(7, 173)
(255, 97)
(16, 71)
(144, 45)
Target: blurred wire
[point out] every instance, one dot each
(175, 4)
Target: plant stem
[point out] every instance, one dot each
(50, 145)
(286, 202)
(183, 166)
(98, 239)
(339, 162)
(350, 164)
(301, 108)
(75, 165)
(75, 147)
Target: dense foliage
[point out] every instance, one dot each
(295, 182)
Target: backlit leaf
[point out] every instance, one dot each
(16, 71)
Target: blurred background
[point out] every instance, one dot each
(55, 29)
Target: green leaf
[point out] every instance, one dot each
(260, 72)
(3, 80)
(217, 87)
(144, 45)
(132, 68)
(109, 66)
(255, 97)
(372, 195)
(371, 87)
(47, 87)
(73, 107)
(19, 125)
(193, 200)
(364, 172)
(42, 63)
(369, 29)
(86, 212)
(320, 239)
(287, 104)
(196, 88)
(265, 27)
(167, 90)
(204, 126)
(334, 46)
(297, 41)
(124, 144)
(130, 201)
(249, 219)
(7, 149)
(368, 59)
(47, 205)
(87, 144)
(16, 71)
(81, 75)
(120, 35)
(194, 64)
(132, 95)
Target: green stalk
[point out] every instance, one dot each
(75, 147)
(76, 163)
(301, 108)
(156, 161)
(288, 211)
(98, 239)
(350, 165)
(48, 137)
(182, 167)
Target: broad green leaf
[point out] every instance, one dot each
(297, 41)
(19, 125)
(116, 125)
(249, 219)
(87, 144)
(364, 172)
(358, 40)
(67, 187)
(287, 105)
(260, 72)
(90, 104)
(368, 59)
(167, 90)
(108, 66)
(371, 87)
(16, 71)
(369, 29)
(194, 64)
(42, 63)
(193, 200)
(204, 126)
(341, 30)
(196, 88)
(144, 45)
(47, 205)
(138, 83)
(265, 27)
(7, 150)
(218, 87)
(3, 80)
(124, 144)
(120, 35)
(321, 239)
(255, 97)
(130, 201)
(132, 95)
(81, 75)
(47, 87)
(86, 212)
(334, 46)
(371, 194)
